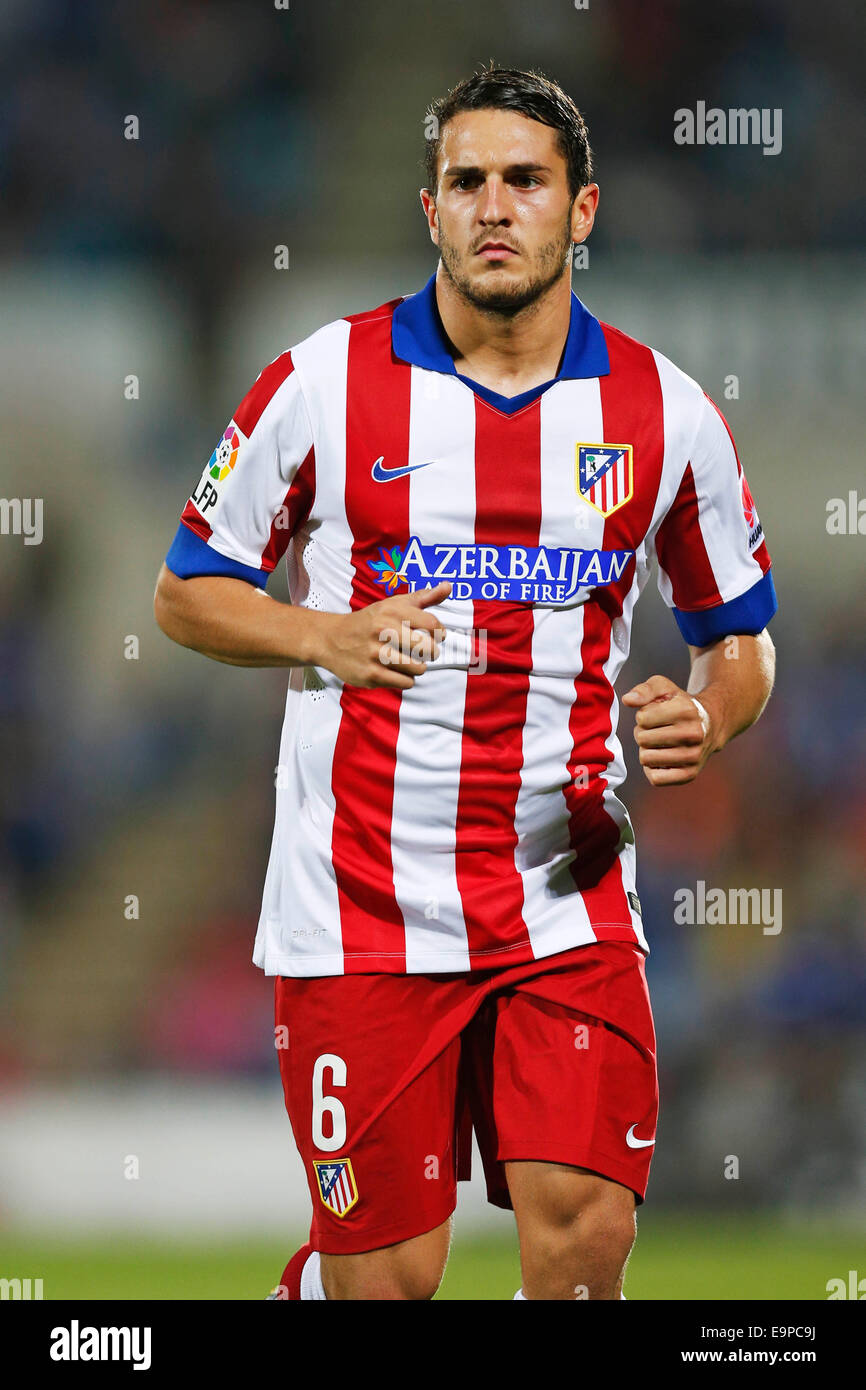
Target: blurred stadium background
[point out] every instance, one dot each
(151, 1039)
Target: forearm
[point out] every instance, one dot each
(233, 622)
(733, 679)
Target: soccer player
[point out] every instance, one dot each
(471, 485)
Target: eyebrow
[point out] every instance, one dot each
(462, 171)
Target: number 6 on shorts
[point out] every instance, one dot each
(328, 1105)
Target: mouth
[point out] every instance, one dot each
(495, 251)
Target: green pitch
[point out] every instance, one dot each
(675, 1258)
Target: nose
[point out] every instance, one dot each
(493, 204)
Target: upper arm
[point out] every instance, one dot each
(179, 603)
(714, 566)
(166, 583)
(166, 593)
(761, 641)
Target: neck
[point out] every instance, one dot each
(508, 353)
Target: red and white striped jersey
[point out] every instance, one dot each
(474, 819)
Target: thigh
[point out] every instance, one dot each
(549, 1195)
(374, 1122)
(575, 1230)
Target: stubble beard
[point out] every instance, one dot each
(508, 300)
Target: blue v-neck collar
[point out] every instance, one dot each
(417, 336)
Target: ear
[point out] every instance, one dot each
(428, 202)
(583, 211)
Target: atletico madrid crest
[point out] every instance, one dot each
(337, 1187)
(604, 476)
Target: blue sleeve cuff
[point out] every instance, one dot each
(190, 556)
(748, 614)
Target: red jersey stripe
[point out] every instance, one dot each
(490, 886)
(365, 754)
(192, 517)
(296, 507)
(632, 413)
(382, 311)
(682, 553)
(260, 394)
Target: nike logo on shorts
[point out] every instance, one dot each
(637, 1143)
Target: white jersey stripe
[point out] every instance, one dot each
(427, 773)
(300, 916)
(544, 853)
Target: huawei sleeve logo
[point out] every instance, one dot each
(750, 512)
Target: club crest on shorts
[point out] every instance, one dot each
(337, 1187)
(604, 475)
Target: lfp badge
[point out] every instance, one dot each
(224, 456)
(337, 1187)
(604, 475)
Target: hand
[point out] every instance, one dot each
(674, 740)
(387, 643)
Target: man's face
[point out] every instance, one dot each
(503, 218)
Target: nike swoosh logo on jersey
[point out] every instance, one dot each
(637, 1143)
(384, 475)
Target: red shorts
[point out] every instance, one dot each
(386, 1075)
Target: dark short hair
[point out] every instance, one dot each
(530, 94)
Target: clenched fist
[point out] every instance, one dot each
(672, 730)
(385, 644)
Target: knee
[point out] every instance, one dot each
(410, 1271)
(610, 1223)
(602, 1220)
(418, 1285)
(414, 1283)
